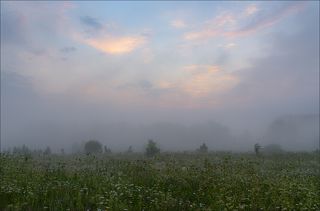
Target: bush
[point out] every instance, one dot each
(203, 148)
(47, 151)
(257, 148)
(93, 147)
(152, 148)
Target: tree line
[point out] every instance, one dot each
(95, 147)
(151, 149)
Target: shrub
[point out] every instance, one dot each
(93, 147)
(152, 148)
(203, 148)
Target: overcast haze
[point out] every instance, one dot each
(226, 73)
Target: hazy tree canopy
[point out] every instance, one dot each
(257, 148)
(92, 147)
(47, 151)
(130, 150)
(203, 148)
(24, 150)
(106, 150)
(152, 148)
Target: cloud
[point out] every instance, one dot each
(228, 45)
(68, 49)
(200, 35)
(222, 20)
(145, 84)
(287, 78)
(116, 45)
(229, 24)
(266, 19)
(179, 24)
(100, 76)
(91, 22)
(33, 26)
(196, 86)
(212, 27)
(13, 27)
(203, 80)
(147, 55)
(108, 39)
(250, 10)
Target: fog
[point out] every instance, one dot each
(46, 122)
(57, 91)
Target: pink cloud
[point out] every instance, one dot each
(116, 45)
(233, 25)
(179, 24)
(203, 80)
(267, 21)
(250, 10)
(200, 35)
(212, 27)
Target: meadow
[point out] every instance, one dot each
(168, 181)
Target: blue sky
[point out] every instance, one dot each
(194, 60)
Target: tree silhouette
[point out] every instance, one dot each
(107, 150)
(257, 148)
(130, 149)
(203, 148)
(47, 151)
(93, 147)
(152, 148)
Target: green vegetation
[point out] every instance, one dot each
(177, 181)
(152, 149)
(93, 147)
(203, 148)
(257, 148)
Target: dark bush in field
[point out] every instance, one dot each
(92, 147)
(152, 148)
(203, 148)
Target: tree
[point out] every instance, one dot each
(203, 148)
(130, 149)
(47, 151)
(93, 147)
(257, 148)
(107, 150)
(24, 150)
(152, 148)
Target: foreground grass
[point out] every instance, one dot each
(216, 181)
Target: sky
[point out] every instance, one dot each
(70, 70)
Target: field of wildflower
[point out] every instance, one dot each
(169, 181)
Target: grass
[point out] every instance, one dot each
(172, 181)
